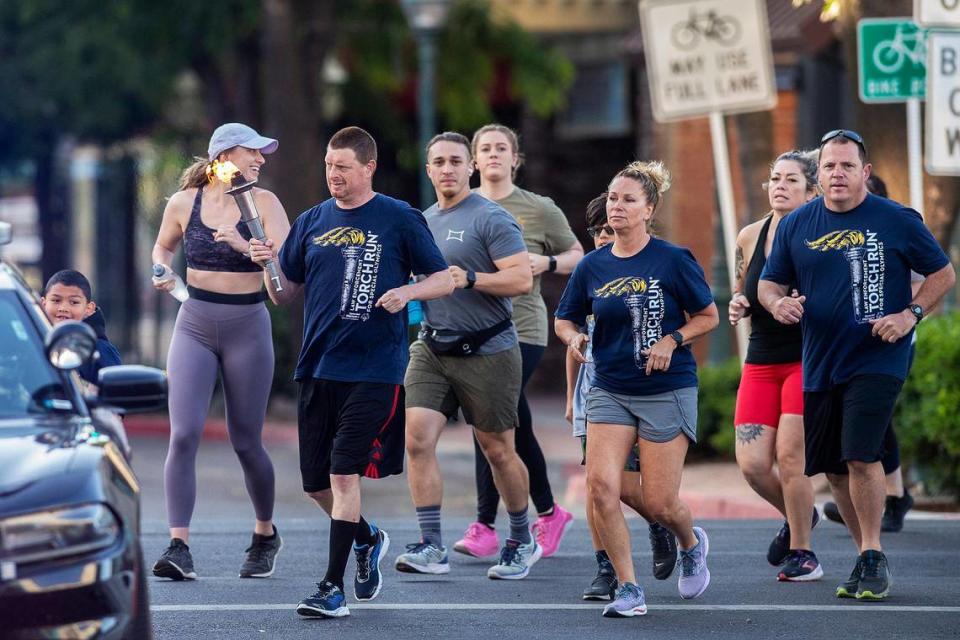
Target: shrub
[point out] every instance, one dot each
(718, 399)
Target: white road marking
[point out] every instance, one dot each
(494, 606)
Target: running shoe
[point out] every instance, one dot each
(780, 545)
(423, 557)
(694, 574)
(832, 512)
(262, 555)
(801, 565)
(367, 583)
(604, 585)
(875, 580)
(664, 546)
(480, 541)
(895, 511)
(629, 602)
(327, 602)
(176, 562)
(549, 530)
(515, 560)
(848, 588)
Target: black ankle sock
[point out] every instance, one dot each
(602, 556)
(341, 539)
(272, 536)
(363, 535)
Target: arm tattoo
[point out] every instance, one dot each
(747, 433)
(739, 267)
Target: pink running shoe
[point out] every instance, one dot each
(480, 541)
(549, 530)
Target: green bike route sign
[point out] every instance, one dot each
(892, 59)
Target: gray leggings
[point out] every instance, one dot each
(236, 341)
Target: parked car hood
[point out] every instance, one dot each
(34, 449)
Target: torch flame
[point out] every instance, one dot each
(622, 286)
(223, 171)
(341, 236)
(837, 240)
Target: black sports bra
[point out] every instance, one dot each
(203, 253)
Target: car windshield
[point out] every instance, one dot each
(28, 382)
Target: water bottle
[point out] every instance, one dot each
(162, 273)
(414, 311)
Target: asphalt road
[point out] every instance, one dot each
(743, 601)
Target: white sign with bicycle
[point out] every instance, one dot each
(707, 56)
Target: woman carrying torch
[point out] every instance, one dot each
(223, 329)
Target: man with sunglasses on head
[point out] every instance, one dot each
(850, 253)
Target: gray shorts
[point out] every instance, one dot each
(657, 418)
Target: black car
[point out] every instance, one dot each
(70, 559)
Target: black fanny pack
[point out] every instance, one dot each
(466, 344)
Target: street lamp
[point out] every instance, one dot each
(426, 18)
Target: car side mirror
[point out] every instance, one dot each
(70, 344)
(132, 388)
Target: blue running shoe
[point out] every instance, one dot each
(327, 602)
(366, 586)
(628, 603)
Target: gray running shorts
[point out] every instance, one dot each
(657, 418)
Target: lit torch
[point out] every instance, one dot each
(242, 192)
(350, 242)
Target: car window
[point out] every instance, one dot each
(28, 383)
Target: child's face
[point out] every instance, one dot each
(63, 302)
(602, 235)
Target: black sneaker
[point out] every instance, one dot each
(848, 589)
(327, 602)
(366, 585)
(895, 511)
(176, 562)
(832, 513)
(875, 580)
(604, 585)
(664, 546)
(261, 555)
(780, 545)
(801, 565)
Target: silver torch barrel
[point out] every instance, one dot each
(242, 192)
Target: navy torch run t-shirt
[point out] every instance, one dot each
(347, 259)
(636, 301)
(852, 267)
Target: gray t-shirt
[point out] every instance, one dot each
(471, 235)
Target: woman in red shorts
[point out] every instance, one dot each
(769, 416)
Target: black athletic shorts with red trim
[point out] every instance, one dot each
(349, 428)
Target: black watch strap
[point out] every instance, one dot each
(553, 264)
(677, 337)
(917, 312)
(471, 279)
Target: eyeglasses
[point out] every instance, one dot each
(844, 133)
(594, 232)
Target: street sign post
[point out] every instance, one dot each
(937, 13)
(943, 103)
(892, 60)
(709, 58)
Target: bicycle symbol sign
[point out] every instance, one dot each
(705, 26)
(892, 55)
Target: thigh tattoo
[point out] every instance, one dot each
(747, 433)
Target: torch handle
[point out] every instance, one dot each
(251, 218)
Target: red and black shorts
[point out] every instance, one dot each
(768, 391)
(349, 428)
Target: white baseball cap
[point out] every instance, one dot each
(235, 134)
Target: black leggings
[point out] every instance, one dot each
(527, 448)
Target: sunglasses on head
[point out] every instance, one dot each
(843, 133)
(594, 232)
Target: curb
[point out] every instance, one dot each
(214, 429)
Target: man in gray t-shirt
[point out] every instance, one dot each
(472, 235)
(488, 260)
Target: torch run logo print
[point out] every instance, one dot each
(644, 300)
(361, 261)
(864, 253)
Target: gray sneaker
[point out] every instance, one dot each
(515, 560)
(694, 575)
(423, 557)
(628, 603)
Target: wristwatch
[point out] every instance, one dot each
(553, 264)
(917, 311)
(677, 337)
(471, 279)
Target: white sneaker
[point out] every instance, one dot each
(515, 560)
(423, 557)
